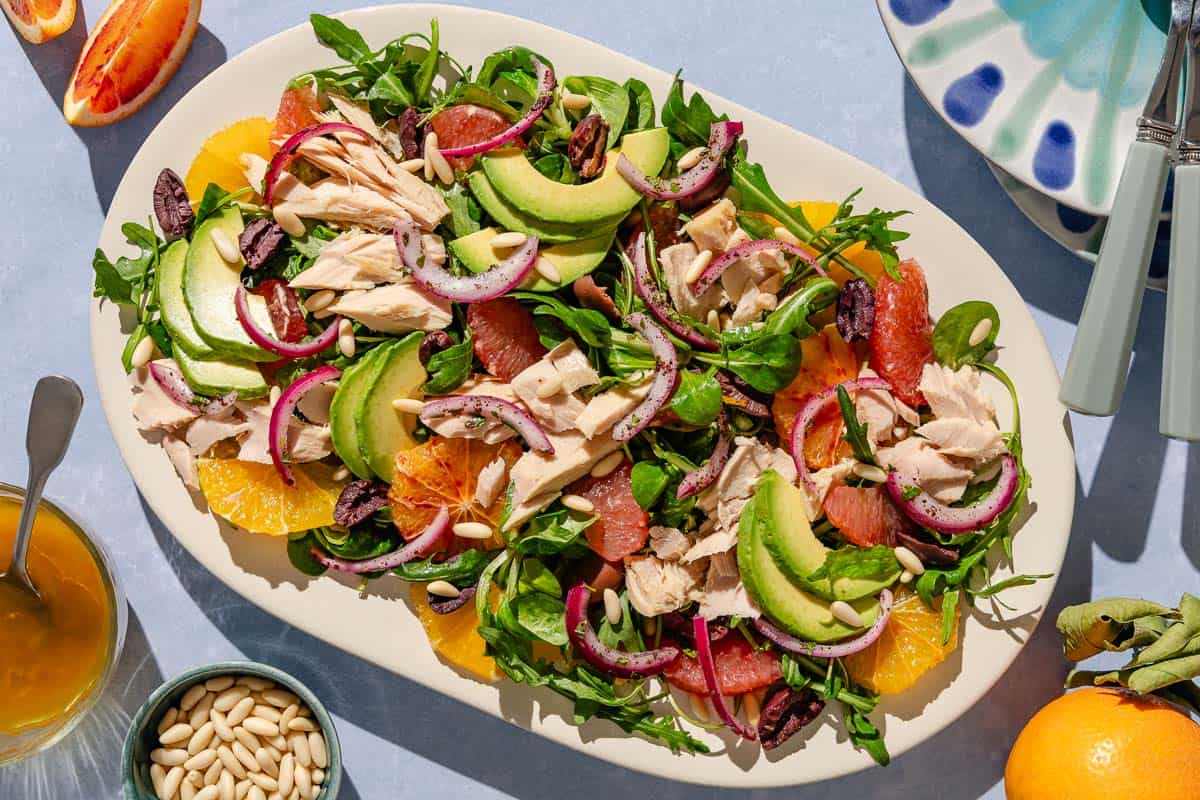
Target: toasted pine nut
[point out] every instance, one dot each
(241, 789)
(274, 395)
(202, 710)
(845, 613)
(229, 698)
(256, 793)
(288, 715)
(440, 589)
(608, 464)
(713, 319)
(549, 387)
(191, 697)
(269, 713)
(697, 267)
(219, 683)
(176, 734)
(278, 742)
(318, 776)
(318, 301)
(341, 473)
(435, 162)
(231, 761)
(187, 790)
(472, 530)
(346, 344)
(408, 405)
(256, 683)
(200, 738)
(751, 708)
(691, 158)
(202, 760)
(546, 269)
(266, 762)
(194, 777)
(508, 240)
(142, 353)
(260, 727)
(290, 222)
(869, 472)
(171, 783)
(980, 332)
(909, 560)
(316, 748)
(280, 698)
(226, 786)
(906, 577)
(577, 502)
(246, 739)
(299, 744)
(287, 771)
(700, 707)
(784, 235)
(302, 724)
(227, 249)
(237, 715)
(413, 165)
(612, 607)
(575, 102)
(246, 756)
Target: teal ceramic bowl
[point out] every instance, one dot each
(143, 736)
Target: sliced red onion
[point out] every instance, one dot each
(925, 510)
(666, 376)
(607, 659)
(488, 407)
(281, 415)
(700, 479)
(217, 405)
(810, 410)
(287, 150)
(739, 399)
(546, 86)
(176, 387)
(709, 668)
(471, 288)
(269, 342)
(723, 261)
(786, 641)
(656, 299)
(432, 539)
(721, 138)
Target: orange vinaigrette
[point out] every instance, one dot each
(50, 657)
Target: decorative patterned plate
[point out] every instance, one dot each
(1049, 90)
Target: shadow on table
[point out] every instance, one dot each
(112, 147)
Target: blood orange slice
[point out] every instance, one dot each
(506, 340)
(865, 516)
(910, 646)
(40, 20)
(902, 339)
(298, 107)
(740, 668)
(466, 124)
(621, 526)
(826, 360)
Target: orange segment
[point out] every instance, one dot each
(129, 56)
(219, 159)
(454, 636)
(40, 20)
(254, 497)
(910, 646)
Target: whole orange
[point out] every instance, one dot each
(1101, 743)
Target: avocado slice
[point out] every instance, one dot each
(572, 260)
(218, 377)
(796, 549)
(511, 219)
(171, 306)
(798, 612)
(352, 386)
(609, 195)
(209, 284)
(382, 430)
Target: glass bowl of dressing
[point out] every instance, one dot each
(56, 660)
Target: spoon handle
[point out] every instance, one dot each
(53, 413)
(1179, 415)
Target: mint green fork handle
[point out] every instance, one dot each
(1099, 362)
(1179, 413)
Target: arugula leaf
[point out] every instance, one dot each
(553, 532)
(341, 38)
(465, 212)
(215, 198)
(864, 734)
(610, 100)
(641, 106)
(876, 563)
(423, 80)
(135, 337)
(697, 400)
(856, 432)
(126, 281)
(591, 326)
(952, 334)
(447, 369)
(648, 480)
(690, 122)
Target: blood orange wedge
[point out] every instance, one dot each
(466, 124)
(40, 20)
(219, 159)
(865, 516)
(826, 360)
(454, 636)
(902, 339)
(298, 108)
(254, 497)
(506, 340)
(910, 646)
(130, 55)
(621, 526)
(740, 668)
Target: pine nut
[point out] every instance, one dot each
(207, 793)
(255, 683)
(274, 395)
(436, 163)
(316, 748)
(202, 711)
(697, 267)
(237, 715)
(214, 771)
(870, 472)
(472, 530)
(288, 715)
(751, 708)
(221, 726)
(274, 751)
(766, 301)
(508, 240)
(269, 713)
(171, 783)
(299, 745)
(699, 707)
(577, 502)
(906, 577)
(575, 102)
(608, 464)
(194, 777)
(318, 776)
(290, 222)
(227, 249)
(427, 164)
(547, 270)
(142, 353)
(256, 793)
(408, 405)
(266, 762)
(229, 698)
(302, 724)
(158, 774)
(320, 300)
(241, 789)
(549, 387)
(845, 613)
(219, 683)
(225, 785)
(909, 560)
(691, 158)
(303, 781)
(280, 698)
(177, 733)
(347, 345)
(187, 790)
(245, 756)
(278, 742)
(168, 719)
(202, 760)
(713, 319)
(442, 589)
(231, 761)
(191, 697)
(287, 771)
(246, 739)
(612, 607)
(200, 738)
(980, 332)
(261, 727)
(413, 165)
(341, 473)
(784, 235)
(169, 757)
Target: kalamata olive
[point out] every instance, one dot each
(784, 712)
(358, 501)
(855, 311)
(171, 205)
(260, 241)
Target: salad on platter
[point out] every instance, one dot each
(633, 427)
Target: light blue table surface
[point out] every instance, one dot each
(823, 66)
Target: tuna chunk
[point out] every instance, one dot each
(974, 442)
(354, 260)
(676, 260)
(724, 593)
(395, 308)
(304, 442)
(608, 408)
(490, 483)
(952, 393)
(915, 458)
(659, 587)
(564, 367)
(153, 409)
(712, 227)
(537, 478)
(465, 427)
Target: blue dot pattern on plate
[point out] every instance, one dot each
(918, 12)
(1054, 161)
(968, 99)
(1074, 220)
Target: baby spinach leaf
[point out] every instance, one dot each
(215, 198)
(952, 334)
(447, 369)
(641, 106)
(697, 400)
(610, 100)
(299, 551)
(557, 168)
(552, 532)
(541, 616)
(856, 432)
(876, 563)
(509, 61)
(359, 543)
(768, 363)
(465, 212)
(648, 479)
(690, 122)
(536, 578)
(625, 633)
(460, 570)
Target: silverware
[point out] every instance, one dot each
(53, 413)
(1096, 370)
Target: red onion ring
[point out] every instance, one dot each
(268, 342)
(810, 409)
(281, 415)
(488, 407)
(656, 299)
(666, 376)
(925, 510)
(786, 641)
(721, 137)
(735, 397)
(614, 662)
(546, 87)
(723, 261)
(709, 668)
(471, 288)
(176, 387)
(429, 541)
(700, 479)
(287, 150)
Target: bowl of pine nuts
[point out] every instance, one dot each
(235, 730)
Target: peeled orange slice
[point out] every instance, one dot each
(129, 56)
(254, 497)
(455, 637)
(40, 20)
(219, 159)
(910, 646)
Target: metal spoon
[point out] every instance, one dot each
(53, 413)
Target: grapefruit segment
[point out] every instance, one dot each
(506, 340)
(740, 668)
(865, 516)
(467, 124)
(298, 108)
(621, 526)
(902, 339)
(40, 20)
